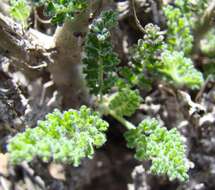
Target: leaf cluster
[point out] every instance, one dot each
(164, 148)
(145, 56)
(66, 137)
(146, 53)
(158, 61)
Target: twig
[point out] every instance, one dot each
(44, 90)
(133, 7)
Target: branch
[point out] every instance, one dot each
(204, 25)
(28, 49)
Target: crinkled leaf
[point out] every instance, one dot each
(99, 60)
(180, 70)
(66, 137)
(179, 21)
(164, 148)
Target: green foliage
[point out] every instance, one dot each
(152, 59)
(145, 56)
(20, 10)
(164, 148)
(146, 52)
(70, 136)
(182, 18)
(178, 17)
(64, 137)
(99, 60)
(59, 10)
(125, 102)
(179, 70)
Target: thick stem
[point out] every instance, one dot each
(105, 110)
(66, 70)
(123, 121)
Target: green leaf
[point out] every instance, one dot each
(179, 22)
(180, 70)
(66, 137)
(146, 53)
(99, 59)
(152, 59)
(164, 148)
(125, 102)
(145, 57)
